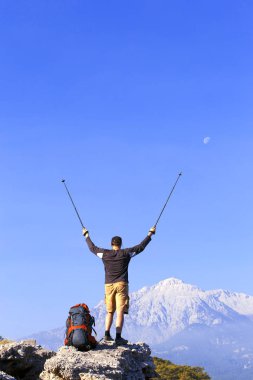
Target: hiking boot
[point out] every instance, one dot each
(121, 341)
(108, 338)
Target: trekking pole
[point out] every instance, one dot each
(63, 181)
(179, 175)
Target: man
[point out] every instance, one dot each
(116, 261)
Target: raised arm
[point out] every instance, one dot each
(92, 247)
(133, 251)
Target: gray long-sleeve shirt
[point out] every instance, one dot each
(116, 262)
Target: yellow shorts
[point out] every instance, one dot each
(116, 297)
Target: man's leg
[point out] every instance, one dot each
(119, 320)
(121, 303)
(110, 307)
(108, 321)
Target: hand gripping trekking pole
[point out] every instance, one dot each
(179, 175)
(63, 181)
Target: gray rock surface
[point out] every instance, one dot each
(130, 362)
(23, 360)
(4, 376)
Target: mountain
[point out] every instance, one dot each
(187, 325)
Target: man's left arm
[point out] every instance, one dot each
(99, 252)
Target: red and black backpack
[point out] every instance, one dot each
(79, 328)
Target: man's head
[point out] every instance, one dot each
(116, 242)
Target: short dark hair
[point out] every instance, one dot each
(116, 240)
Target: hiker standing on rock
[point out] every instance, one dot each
(116, 261)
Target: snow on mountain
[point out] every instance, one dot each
(240, 302)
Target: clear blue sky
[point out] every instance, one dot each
(117, 97)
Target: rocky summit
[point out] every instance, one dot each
(28, 361)
(130, 362)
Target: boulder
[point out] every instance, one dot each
(130, 362)
(23, 360)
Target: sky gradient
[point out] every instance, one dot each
(117, 98)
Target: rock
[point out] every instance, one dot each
(130, 362)
(31, 342)
(4, 376)
(23, 360)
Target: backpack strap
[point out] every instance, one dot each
(72, 328)
(94, 331)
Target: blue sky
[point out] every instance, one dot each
(117, 97)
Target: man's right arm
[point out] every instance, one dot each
(133, 251)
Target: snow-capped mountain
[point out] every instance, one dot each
(167, 308)
(183, 323)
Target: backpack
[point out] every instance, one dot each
(79, 328)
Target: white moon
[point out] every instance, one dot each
(206, 140)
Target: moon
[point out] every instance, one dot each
(206, 140)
